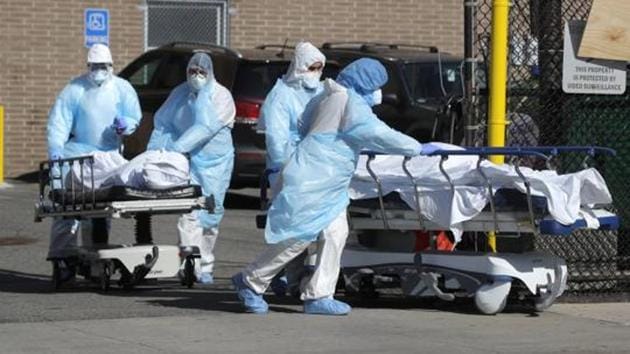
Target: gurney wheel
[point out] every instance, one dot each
(56, 275)
(491, 298)
(106, 275)
(189, 272)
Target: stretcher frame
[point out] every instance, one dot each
(486, 277)
(512, 222)
(98, 262)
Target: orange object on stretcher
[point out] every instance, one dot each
(423, 241)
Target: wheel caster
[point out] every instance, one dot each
(189, 272)
(491, 299)
(106, 274)
(367, 290)
(56, 275)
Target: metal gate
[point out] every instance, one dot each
(541, 113)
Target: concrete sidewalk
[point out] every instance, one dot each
(167, 318)
(566, 328)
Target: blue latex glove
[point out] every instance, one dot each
(120, 125)
(55, 154)
(326, 306)
(252, 302)
(428, 149)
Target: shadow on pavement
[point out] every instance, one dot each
(18, 282)
(221, 297)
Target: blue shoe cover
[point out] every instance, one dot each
(205, 278)
(252, 302)
(279, 286)
(326, 306)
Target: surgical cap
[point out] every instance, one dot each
(202, 61)
(305, 55)
(364, 76)
(99, 53)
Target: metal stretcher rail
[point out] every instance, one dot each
(511, 222)
(60, 195)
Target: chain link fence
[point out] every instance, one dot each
(203, 21)
(540, 113)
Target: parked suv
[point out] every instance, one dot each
(422, 97)
(249, 74)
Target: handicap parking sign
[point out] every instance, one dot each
(96, 26)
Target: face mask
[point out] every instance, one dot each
(197, 82)
(99, 76)
(374, 98)
(377, 97)
(310, 80)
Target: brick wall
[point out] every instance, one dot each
(41, 49)
(41, 45)
(435, 22)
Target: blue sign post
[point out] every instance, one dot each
(96, 26)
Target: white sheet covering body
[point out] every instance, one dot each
(155, 169)
(568, 195)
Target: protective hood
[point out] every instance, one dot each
(99, 53)
(202, 61)
(363, 76)
(305, 55)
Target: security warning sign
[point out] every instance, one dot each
(589, 76)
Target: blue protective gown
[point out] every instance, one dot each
(188, 123)
(317, 175)
(280, 116)
(80, 120)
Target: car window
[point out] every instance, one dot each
(423, 80)
(257, 79)
(144, 74)
(330, 71)
(172, 72)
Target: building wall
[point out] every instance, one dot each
(41, 45)
(434, 22)
(41, 49)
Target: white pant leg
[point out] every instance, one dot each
(192, 234)
(208, 240)
(258, 274)
(63, 236)
(329, 248)
(295, 271)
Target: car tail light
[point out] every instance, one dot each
(247, 112)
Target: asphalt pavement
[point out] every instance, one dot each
(165, 317)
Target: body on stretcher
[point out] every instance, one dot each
(60, 196)
(487, 277)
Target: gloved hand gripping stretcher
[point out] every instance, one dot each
(459, 190)
(67, 189)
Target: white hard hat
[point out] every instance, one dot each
(99, 53)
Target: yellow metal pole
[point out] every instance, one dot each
(1, 144)
(498, 82)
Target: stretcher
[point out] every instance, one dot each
(60, 196)
(487, 277)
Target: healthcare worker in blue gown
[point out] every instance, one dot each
(311, 206)
(197, 119)
(90, 114)
(280, 117)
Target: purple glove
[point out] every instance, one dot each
(119, 125)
